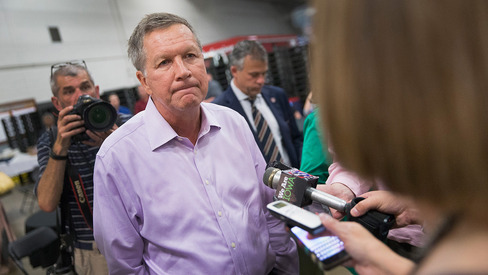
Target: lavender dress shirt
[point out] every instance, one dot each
(164, 206)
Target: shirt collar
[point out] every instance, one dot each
(159, 131)
(241, 96)
(209, 120)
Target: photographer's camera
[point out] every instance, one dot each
(99, 116)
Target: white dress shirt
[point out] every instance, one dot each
(261, 105)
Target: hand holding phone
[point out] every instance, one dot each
(328, 251)
(296, 216)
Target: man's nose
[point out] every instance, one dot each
(181, 69)
(261, 79)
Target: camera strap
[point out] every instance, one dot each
(77, 187)
(80, 194)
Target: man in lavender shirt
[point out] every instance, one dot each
(178, 188)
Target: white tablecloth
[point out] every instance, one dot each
(19, 164)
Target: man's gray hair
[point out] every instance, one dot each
(149, 23)
(67, 70)
(244, 48)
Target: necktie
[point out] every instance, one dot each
(265, 136)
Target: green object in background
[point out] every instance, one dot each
(315, 157)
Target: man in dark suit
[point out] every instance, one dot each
(262, 105)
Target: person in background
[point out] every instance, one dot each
(175, 195)
(141, 103)
(214, 88)
(114, 100)
(315, 161)
(265, 108)
(61, 159)
(315, 157)
(308, 106)
(48, 121)
(402, 85)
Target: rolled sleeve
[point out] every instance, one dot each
(338, 174)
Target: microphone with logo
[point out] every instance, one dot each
(298, 188)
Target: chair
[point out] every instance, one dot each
(7, 237)
(28, 198)
(27, 188)
(30, 243)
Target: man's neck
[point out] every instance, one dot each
(187, 124)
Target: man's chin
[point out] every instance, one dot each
(193, 101)
(254, 92)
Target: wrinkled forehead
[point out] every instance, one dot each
(73, 79)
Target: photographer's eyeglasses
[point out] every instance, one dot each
(58, 66)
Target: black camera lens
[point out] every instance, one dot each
(99, 116)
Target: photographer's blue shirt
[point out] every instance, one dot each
(82, 157)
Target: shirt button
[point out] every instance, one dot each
(219, 213)
(207, 182)
(180, 138)
(233, 245)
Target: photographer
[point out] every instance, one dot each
(66, 156)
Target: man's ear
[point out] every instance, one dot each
(97, 91)
(143, 81)
(233, 70)
(56, 103)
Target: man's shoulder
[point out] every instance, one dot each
(222, 113)
(47, 137)
(273, 90)
(124, 133)
(225, 97)
(219, 109)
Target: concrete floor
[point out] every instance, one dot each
(12, 202)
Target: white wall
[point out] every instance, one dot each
(97, 31)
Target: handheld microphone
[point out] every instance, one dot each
(298, 187)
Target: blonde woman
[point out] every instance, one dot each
(402, 86)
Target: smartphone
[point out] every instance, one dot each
(293, 215)
(328, 251)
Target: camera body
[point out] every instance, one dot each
(99, 116)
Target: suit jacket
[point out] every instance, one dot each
(276, 98)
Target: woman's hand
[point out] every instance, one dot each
(368, 254)
(387, 202)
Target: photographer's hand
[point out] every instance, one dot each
(387, 202)
(97, 138)
(68, 126)
(369, 255)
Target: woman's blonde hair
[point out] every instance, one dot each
(402, 86)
